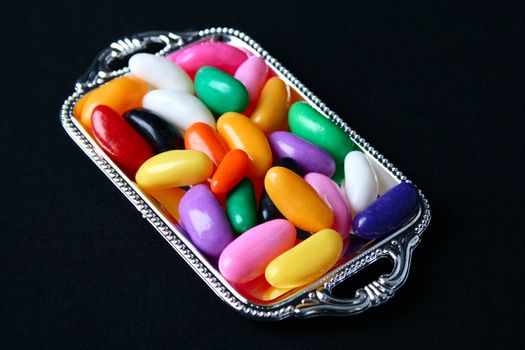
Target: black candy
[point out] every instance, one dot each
(160, 134)
(289, 163)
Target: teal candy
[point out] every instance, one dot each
(241, 207)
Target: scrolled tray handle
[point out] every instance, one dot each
(322, 301)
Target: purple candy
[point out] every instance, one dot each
(202, 217)
(387, 213)
(309, 157)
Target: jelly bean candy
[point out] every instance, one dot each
(160, 72)
(339, 174)
(214, 54)
(77, 109)
(220, 92)
(169, 198)
(240, 133)
(388, 213)
(241, 207)
(203, 219)
(309, 157)
(230, 171)
(307, 261)
(120, 94)
(119, 140)
(174, 169)
(252, 73)
(248, 255)
(330, 192)
(360, 182)
(260, 289)
(307, 123)
(177, 108)
(202, 137)
(159, 133)
(272, 108)
(297, 200)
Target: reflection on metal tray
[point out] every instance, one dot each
(313, 300)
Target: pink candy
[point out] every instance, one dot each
(253, 74)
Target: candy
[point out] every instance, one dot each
(241, 207)
(203, 219)
(385, 180)
(332, 195)
(305, 262)
(118, 139)
(247, 256)
(307, 123)
(169, 198)
(230, 171)
(339, 174)
(360, 182)
(260, 289)
(297, 200)
(202, 137)
(309, 157)
(387, 213)
(272, 108)
(218, 55)
(159, 133)
(220, 92)
(77, 110)
(174, 169)
(120, 94)
(177, 108)
(252, 73)
(240, 133)
(160, 72)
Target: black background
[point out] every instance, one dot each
(437, 88)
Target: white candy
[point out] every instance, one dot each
(178, 108)
(160, 72)
(361, 186)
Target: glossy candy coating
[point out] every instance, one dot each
(252, 73)
(360, 182)
(247, 256)
(174, 169)
(272, 108)
(305, 122)
(178, 108)
(305, 262)
(202, 137)
(119, 140)
(241, 207)
(388, 213)
(339, 174)
(160, 72)
(169, 198)
(309, 157)
(220, 92)
(120, 94)
(219, 55)
(260, 289)
(230, 171)
(240, 133)
(159, 133)
(77, 109)
(297, 200)
(203, 219)
(332, 195)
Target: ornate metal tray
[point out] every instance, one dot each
(313, 300)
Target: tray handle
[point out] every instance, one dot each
(322, 301)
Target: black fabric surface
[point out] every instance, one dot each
(437, 88)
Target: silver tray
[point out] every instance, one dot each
(313, 300)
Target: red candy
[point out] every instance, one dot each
(230, 171)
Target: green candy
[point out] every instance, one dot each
(307, 123)
(339, 174)
(220, 92)
(241, 207)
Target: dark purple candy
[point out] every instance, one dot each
(387, 213)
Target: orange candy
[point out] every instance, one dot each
(230, 171)
(77, 110)
(169, 198)
(202, 137)
(272, 109)
(120, 94)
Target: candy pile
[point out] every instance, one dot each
(262, 183)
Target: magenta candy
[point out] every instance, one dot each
(309, 157)
(252, 73)
(332, 195)
(202, 217)
(217, 55)
(246, 257)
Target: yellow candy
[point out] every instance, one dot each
(305, 262)
(174, 169)
(272, 109)
(240, 133)
(297, 200)
(169, 198)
